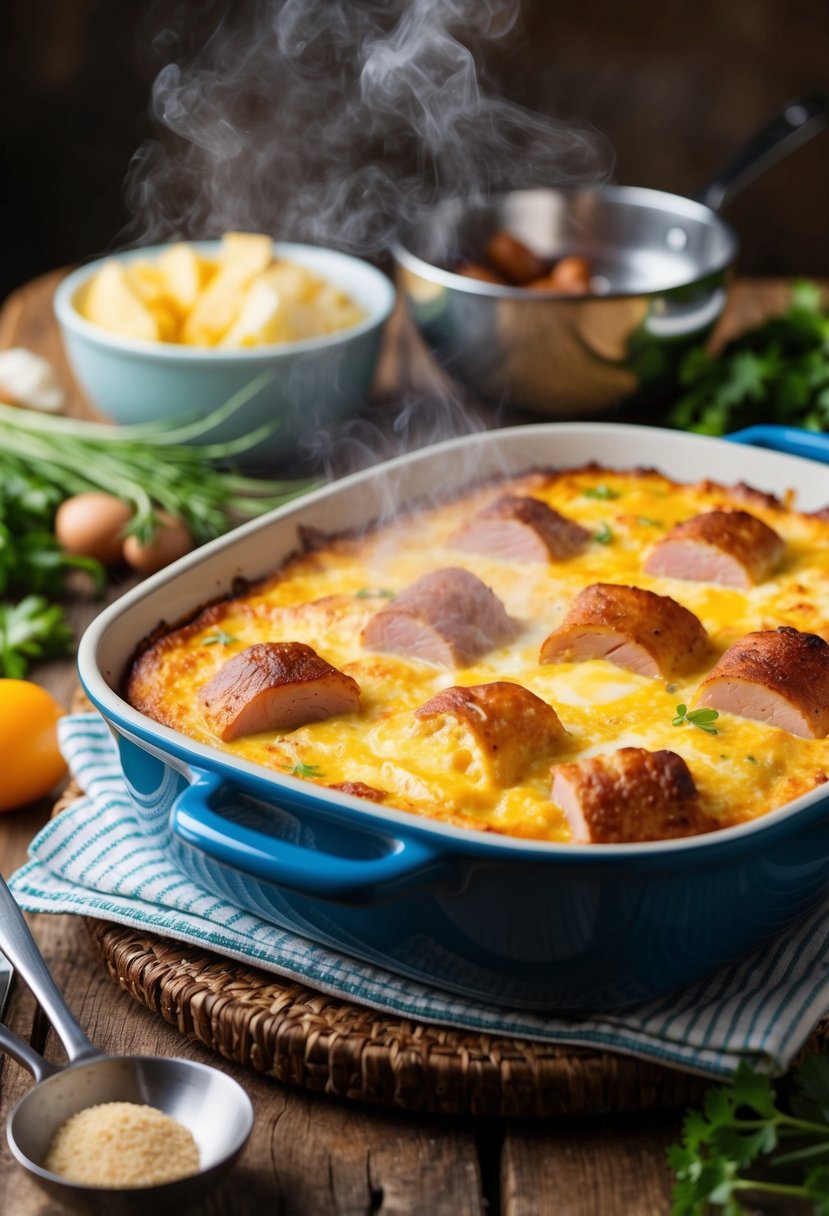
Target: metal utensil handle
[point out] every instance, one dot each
(405, 864)
(12, 1045)
(19, 946)
(793, 126)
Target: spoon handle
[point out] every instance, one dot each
(19, 946)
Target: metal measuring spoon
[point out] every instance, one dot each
(216, 1110)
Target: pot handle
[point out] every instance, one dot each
(814, 445)
(404, 865)
(793, 126)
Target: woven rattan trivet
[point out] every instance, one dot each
(305, 1038)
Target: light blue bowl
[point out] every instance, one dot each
(313, 383)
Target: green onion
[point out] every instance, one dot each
(152, 466)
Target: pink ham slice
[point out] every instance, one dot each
(509, 726)
(777, 676)
(732, 548)
(628, 796)
(275, 686)
(517, 528)
(448, 617)
(639, 630)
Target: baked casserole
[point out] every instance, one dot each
(581, 655)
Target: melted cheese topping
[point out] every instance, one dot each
(325, 598)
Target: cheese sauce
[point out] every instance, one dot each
(325, 598)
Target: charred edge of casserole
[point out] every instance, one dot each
(743, 493)
(191, 622)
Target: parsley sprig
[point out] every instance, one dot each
(703, 718)
(603, 492)
(741, 1128)
(30, 630)
(300, 769)
(220, 638)
(777, 372)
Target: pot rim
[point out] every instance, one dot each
(675, 204)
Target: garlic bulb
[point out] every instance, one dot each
(29, 380)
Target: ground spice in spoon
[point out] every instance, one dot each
(122, 1145)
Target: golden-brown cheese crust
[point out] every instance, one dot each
(359, 789)
(509, 725)
(638, 629)
(729, 547)
(630, 796)
(777, 676)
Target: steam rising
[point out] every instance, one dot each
(332, 121)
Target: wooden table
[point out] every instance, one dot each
(311, 1155)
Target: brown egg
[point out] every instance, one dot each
(172, 540)
(92, 525)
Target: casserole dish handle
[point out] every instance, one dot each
(401, 863)
(814, 445)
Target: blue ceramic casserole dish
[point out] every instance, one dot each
(522, 923)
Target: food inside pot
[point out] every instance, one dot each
(589, 655)
(511, 263)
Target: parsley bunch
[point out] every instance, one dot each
(30, 630)
(742, 1137)
(777, 372)
(30, 557)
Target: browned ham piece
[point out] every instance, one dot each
(510, 726)
(275, 686)
(778, 676)
(448, 617)
(631, 795)
(733, 548)
(644, 632)
(521, 529)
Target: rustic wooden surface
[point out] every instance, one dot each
(311, 1155)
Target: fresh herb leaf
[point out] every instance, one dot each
(741, 1127)
(30, 630)
(604, 535)
(777, 372)
(374, 593)
(303, 770)
(703, 718)
(603, 492)
(219, 638)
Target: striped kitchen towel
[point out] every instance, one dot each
(94, 860)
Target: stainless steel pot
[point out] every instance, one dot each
(660, 267)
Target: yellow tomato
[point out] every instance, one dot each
(30, 761)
